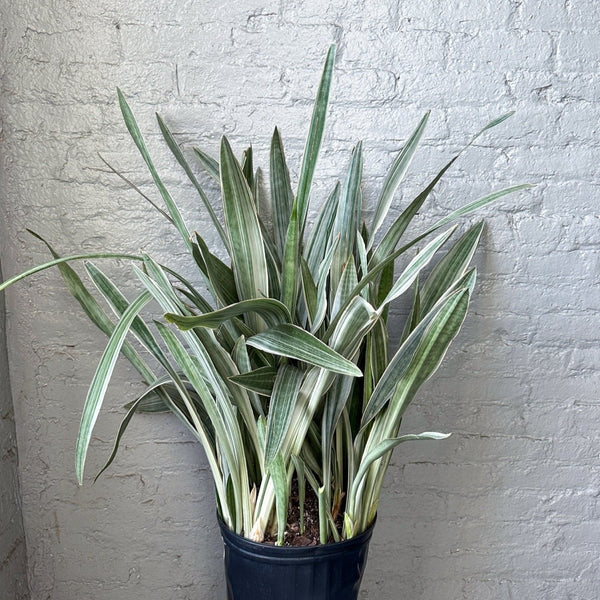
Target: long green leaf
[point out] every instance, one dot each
(101, 378)
(178, 154)
(347, 219)
(136, 135)
(319, 238)
(315, 135)
(64, 259)
(259, 380)
(285, 391)
(281, 191)
(94, 311)
(120, 304)
(211, 166)
(477, 204)
(247, 247)
(394, 178)
(451, 268)
(415, 266)
(272, 312)
(278, 474)
(291, 263)
(393, 235)
(439, 325)
(293, 342)
(221, 280)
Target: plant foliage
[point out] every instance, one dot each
(285, 370)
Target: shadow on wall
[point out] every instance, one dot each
(13, 559)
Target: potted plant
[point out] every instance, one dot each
(284, 374)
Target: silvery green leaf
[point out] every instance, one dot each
(293, 342)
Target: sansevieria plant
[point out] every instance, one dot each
(284, 373)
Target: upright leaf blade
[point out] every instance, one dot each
(285, 390)
(137, 137)
(247, 247)
(178, 154)
(315, 135)
(395, 176)
(281, 191)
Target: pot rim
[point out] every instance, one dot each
(242, 544)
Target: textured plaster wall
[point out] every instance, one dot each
(509, 506)
(13, 569)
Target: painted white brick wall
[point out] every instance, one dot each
(509, 506)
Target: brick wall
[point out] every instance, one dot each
(506, 508)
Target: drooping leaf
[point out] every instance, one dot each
(101, 379)
(388, 445)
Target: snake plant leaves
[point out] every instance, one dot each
(281, 191)
(267, 375)
(438, 327)
(101, 379)
(415, 266)
(285, 391)
(272, 312)
(347, 216)
(259, 380)
(93, 310)
(211, 166)
(136, 135)
(451, 268)
(395, 176)
(388, 445)
(278, 474)
(247, 246)
(220, 277)
(120, 304)
(65, 259)
(320, 238)
(315, 136)
(477, 204)
(293, 342)
(291, 263)
(178, 154)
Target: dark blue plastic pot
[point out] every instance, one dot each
(262, 572)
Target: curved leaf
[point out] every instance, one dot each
(272, 312)
(293, 342)
(101, 378)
